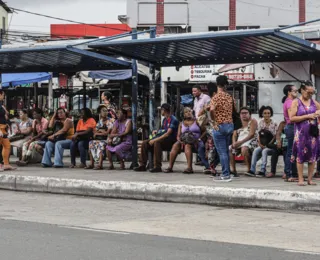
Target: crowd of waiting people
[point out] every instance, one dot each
(213, 129)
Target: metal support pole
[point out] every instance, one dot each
(1, 35)
(84, 95)
(152, 89)
(178, 104)
(50, 95)
(134, 108)
(244, 95)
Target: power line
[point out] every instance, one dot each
(67, 20)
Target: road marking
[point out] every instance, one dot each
(95, 230)
(302, 252)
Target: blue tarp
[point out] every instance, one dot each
(16, 79)
(111, 74)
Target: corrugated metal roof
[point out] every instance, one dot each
(249, 46)
(56, 59)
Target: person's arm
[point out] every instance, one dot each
(234, 139)
(293, 114)
(68, 124)
(26, 131)
(128, 129)
(113, 132)
(179, 132)
(52, 120)
(253, 129)
(279, 133)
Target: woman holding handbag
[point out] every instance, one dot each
(188, 140)
(120, 139)
(304, 113)
(98, 145)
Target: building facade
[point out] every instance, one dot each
(4, 12)
(213, 15)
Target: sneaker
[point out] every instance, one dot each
(234, 175)
(140, 169)
(155, 170)
(260, 175)
(207, 171)
(250, 174)
(222, 179)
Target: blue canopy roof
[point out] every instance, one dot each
(16, 79)
(247, 46)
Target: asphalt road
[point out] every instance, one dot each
(51, 227)
(33, 241)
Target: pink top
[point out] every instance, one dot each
(287, 104)
(200, 102)
(42, 126)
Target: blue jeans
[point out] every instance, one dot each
(257, 153)
(202, 155)
(82, 147)
(56, 148)
(222, 140)
(289, 166)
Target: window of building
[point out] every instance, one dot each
(218, 28)
(169, 29)
(3, 24)
(247, 27)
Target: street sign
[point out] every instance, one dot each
(202, 73)
(240, 76)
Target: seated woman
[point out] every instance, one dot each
(82, 137)
(267, 130)
(23, 132)
(122, 130)
(189, 124)
(59, 140)
(98, 145)
(39, 128)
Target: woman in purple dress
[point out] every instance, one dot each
(304, 113)
(122, 130)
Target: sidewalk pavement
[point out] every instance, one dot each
(166, 187)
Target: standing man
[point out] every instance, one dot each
(291, 93)
(200, 101)
(162, 140)
(221, 109)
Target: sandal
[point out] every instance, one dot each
(111, 168)
(270, 175)
(168, 170)
(81, 166)
(284, 176)
(301, 184)
(98, 168)
(291, 180)
(72, 166)
(312, 183)
(9, 168)
(90, 167)
(188, 171)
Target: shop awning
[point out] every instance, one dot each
(16, 79)
(56, 59)
(111, 74)
(247, 46)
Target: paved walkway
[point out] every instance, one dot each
(197, 179)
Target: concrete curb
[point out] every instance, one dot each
(215, 196)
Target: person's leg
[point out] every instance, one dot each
(300, 174)
(143, 158)
(311, 167)
(274, 162)
(289, 131)
(83, 146)
(222, 140)
(265, 153)
(48, 151)
(60, 146)
(109, 154)
(176, 149)
(92, 151)
(202, 155)
(188, 153)
(245, 152)
(255, 156)
(73, 149)
(6, 149)
(24, 151)
(232, 162)
(157, 156)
